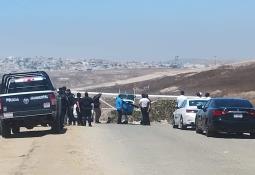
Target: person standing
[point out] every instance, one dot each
(71, 102)
(125, 107)
(199, 94)
(86, 105)
(119, 108)
(144, 104)
(64, 105)
(97, 109)
(207, 96)
(78, 109)
(180, 99)
(149, 106)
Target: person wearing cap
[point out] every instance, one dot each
(86, 105)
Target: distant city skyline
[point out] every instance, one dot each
(128, 29)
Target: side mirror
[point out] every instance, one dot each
(199, 106)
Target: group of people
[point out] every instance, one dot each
(182, 97)
(144, 105)
(82, 105)
(85, 105)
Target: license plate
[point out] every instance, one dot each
(46, 105)
(8, 115)
(238, 115)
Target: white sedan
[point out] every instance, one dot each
(185, 115)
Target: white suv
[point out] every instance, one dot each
(185, 115)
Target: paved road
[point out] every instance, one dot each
(126, 149)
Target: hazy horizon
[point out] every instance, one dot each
(129, 30)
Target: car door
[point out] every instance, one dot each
(178, 112)
(199, 118)
(204, 116)
(181, 110)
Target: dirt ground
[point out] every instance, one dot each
(111, 149)
(39, 152)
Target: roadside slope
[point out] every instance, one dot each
(227, 80)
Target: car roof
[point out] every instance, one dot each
(228, 98)
(197, 98)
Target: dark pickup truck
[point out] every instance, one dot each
(27, 100)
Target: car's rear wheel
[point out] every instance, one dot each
(16, 130)
(252, 134)
(209, 132)
(181, 125)
(5, 129)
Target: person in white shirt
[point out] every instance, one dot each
(144, 104)
(181, 99)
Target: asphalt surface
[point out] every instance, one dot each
(126, 149)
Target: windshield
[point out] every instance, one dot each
(29, 84)
(127, 96)
(197, 102)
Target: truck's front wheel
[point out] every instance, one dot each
(5, 129)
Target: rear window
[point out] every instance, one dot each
(232, 103)
(28, 84)
(127, 96)
(197, 102)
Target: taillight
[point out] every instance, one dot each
(191, 111)
(218, 113)
(53, 99)
(251, 112)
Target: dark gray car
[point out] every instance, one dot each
(230, 115)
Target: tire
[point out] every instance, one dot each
(5, 129)
(198, 130)
(209, 132)
(173, 122)
(16, 130)
(181, 125)
(239, 134)
(252, 135)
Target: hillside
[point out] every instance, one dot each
(229, 80)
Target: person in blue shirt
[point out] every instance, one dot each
(119, 108)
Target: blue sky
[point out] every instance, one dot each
(128, 29)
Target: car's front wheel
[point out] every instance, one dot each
(198, 130)
(173, 122)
